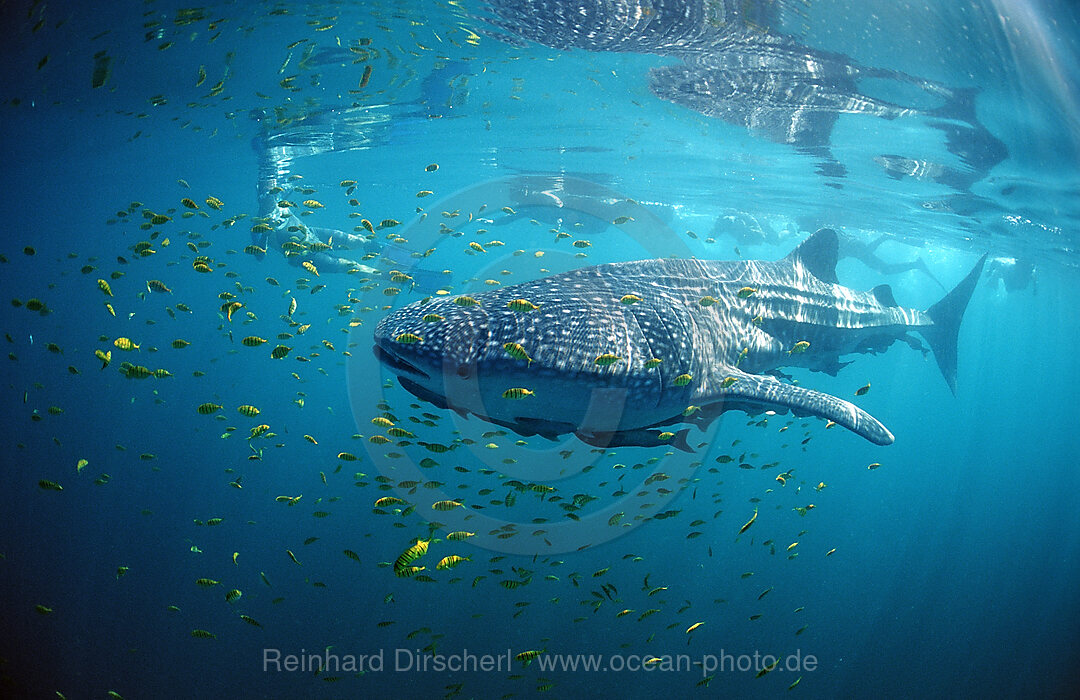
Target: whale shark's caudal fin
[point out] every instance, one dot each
(755, 391)
(946, 315)
(819, 254)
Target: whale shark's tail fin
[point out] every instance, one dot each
(946, 315)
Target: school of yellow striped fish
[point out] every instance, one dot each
(181, 263)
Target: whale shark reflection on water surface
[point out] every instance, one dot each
(737, 65)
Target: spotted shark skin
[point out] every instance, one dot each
(714, 344)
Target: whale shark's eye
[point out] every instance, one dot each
(463, 371)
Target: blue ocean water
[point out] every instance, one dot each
(949, 570)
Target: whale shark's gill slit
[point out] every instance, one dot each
(648, 352)
(675, 347)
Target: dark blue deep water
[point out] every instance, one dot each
(927, 134)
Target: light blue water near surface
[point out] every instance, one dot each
(955, 565)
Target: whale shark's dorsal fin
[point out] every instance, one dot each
(818, 254)
(883, 293)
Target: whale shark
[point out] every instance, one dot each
(619, 352)
(733, 60)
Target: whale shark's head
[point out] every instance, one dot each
(434, 348)
(534, 371)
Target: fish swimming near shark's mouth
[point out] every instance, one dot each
(616, 353)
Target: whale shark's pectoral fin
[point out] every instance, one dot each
(766, 392)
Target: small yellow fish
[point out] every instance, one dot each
(728, 381)
(517, 393)
(125, 344)
(449, 562)
(104, 287)
(799, 348)
(516, 351)
(749, 522)
(862, 390)
(521, 305)
(608, 358)
(682, 379)
(526, 657)
(409, 556)
(630, 299)
(747, 292)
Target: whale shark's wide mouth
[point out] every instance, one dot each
(396, 362)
